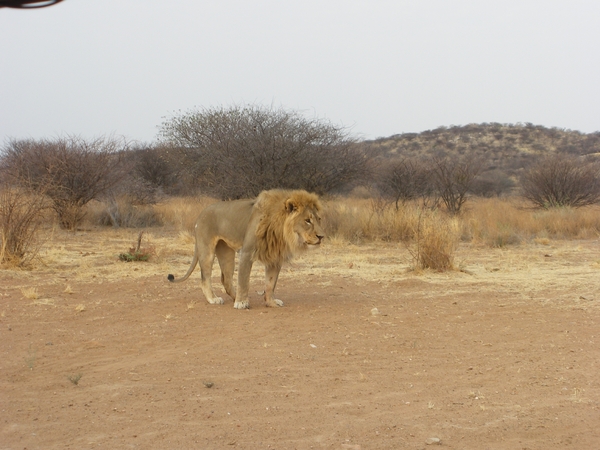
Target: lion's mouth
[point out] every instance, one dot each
(310, 242)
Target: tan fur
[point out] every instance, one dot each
(271, 229)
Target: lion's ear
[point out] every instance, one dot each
(290, 207)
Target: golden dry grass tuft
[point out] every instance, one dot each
(436, 239)
(22, 214)
(30, 293)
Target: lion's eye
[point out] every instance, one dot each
(308, 221)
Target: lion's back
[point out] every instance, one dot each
(226, 219)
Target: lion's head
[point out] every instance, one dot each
(290, 222)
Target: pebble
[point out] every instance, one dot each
(433, 441)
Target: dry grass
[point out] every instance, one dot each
(495, 222)
(137, 252)
(122, 212)
(436, 238)
(357, 220)
(422, 238)
(182, 212)
(22, 214)
(430, 236)
(30, 293)
(499, 222)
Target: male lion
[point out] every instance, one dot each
(270, 229)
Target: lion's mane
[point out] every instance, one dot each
(280, 210)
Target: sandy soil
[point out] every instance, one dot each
(502, 355)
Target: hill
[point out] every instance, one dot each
(503, 149)
(501, 146)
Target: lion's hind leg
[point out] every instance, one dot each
(226, 258)
(206, 260)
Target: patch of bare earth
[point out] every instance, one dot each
(98, 353)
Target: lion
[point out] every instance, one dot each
(271, 228)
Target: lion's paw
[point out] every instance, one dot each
(242, 305)
(275, 302)
(216, 301)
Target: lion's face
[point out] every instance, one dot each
(307, 228)
(290, 222)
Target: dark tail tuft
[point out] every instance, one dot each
(171, 277)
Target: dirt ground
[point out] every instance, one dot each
(98, 353)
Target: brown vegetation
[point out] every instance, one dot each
(492, 222)
(237, 152)
(504, 150)
(408, 179)
(561, 180)
(21, 215)
(453, 180)
(69, 171)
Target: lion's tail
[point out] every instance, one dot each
(171, 277)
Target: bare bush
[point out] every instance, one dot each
(492, 183)
(240, 151)
(21, 214)
(562, 180)
(406, 180)
(156, 170)
(453, 180)
(122, 211)
(70, 171)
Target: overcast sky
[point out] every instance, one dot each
(120, 67)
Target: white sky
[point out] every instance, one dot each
(101, 67)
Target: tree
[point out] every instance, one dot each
(70, 171)
(240, 151)
(562, 180)
(156, 166)
(453, 180)
(407, 179)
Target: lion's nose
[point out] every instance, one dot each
(320, 238)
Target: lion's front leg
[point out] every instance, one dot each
(272, 274)
(243, 288)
